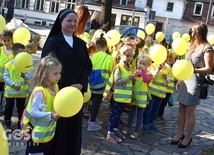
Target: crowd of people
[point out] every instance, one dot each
(125, 77)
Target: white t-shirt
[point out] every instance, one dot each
(69, 40)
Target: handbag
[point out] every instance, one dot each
(203, 87)
(96, 80)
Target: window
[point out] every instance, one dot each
(170, 6)
(39, 5)
(54, 6)
(198, 8)
(212, 12)
(22, 4)
(71, 4)
(123, 2)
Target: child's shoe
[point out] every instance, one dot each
(93, 127)
(153, 127)
(147, 128)
(134, 135)
(126, 131)
(119, 134)
(113, 138)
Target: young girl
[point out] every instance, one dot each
(39, 115)
(140, 95)
(5, 56)
(102, 62)
(120, 82)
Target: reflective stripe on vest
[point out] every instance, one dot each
(139, 93)
(14, 75)
(43, 130)
(158, 85)
(123, 93)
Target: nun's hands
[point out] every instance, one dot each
(78, 86)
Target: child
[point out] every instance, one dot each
(5, 56)
(139, 96)
(120, 87)
(104, 63)
(16, 87)
(157, 89)
(31, 48)
(170, 87)
(39, 115)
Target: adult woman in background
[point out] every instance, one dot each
(76, 68)
(82, 19)
(200, 54)
(95, 19)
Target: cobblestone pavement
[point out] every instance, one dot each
(157, 143)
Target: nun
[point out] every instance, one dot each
(76, 67)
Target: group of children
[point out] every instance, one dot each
(131, 78)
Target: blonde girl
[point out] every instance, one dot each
(120, 82)
(39, 115)
(139, 95)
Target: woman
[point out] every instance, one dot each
(200, 54)
(82, 18)
(76, 68)
(95, 18)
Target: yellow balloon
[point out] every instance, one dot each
(141, 34)
(3, 24)
(210, 39)
(159, 36)
(68, 101)
(176, 35)
(158, 53)
(186, 37)
(23, 62)
(87, 95)
(21, 35)
(150, 28)
(179, 46)
(112, 37)
(4, 147)
(182, 69)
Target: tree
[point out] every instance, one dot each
(106, 7)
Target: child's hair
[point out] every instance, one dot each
(91, 32)
(126, 47)
(31, 48)
(170, 57)
(144, 58)
(44, 66)
(101, 43)
(91, 48)
(139, 42)
(7, 34)
(17, 48)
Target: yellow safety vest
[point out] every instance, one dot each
(43, 130)
(139, 93)
(103, 62)
(158, 85)
(170, 84)
(121, 93)
(4, 58)
(15, 76)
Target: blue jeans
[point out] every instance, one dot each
(114, 119)
(152, 110)
(139, 117)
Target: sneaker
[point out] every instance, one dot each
(153, 127)
(86, 115)
(94, 127)
(113, 138)
(159, 120)
(126, 131)
(147, 128)
(96, 122)
(119, 134)
(134, 135)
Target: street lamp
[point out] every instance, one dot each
(208, 11)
